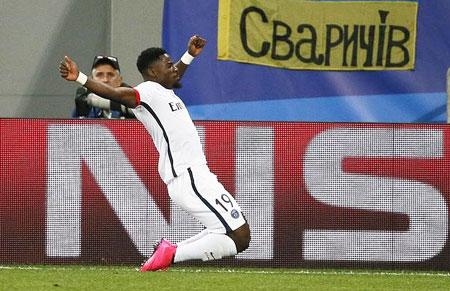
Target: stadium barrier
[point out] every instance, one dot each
(315, 194)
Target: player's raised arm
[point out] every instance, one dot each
(68, 70)
(195, 47)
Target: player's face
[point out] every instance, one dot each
(107, 74)
(166, 73)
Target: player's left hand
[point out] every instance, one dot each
(68, 69)
(196, 45)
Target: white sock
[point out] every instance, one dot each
(210, 246)
(193, 238)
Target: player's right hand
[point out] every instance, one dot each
(68, 69)
(196, 45)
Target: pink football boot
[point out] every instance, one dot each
(162, 257)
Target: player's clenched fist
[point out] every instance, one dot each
(196, 45)
(68, 69)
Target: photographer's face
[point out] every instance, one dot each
(107, 74)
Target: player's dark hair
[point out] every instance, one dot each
(148, 57)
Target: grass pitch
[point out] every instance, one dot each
(128, 278)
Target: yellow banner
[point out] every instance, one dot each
(310, 35)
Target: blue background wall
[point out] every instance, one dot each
(224, 90)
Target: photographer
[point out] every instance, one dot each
(89, 105)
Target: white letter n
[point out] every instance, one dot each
(70, 144)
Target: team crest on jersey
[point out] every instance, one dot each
(235, 213)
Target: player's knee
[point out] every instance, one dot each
(241, 237)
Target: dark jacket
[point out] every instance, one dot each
(84, 110)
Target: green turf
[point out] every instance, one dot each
(215, 279)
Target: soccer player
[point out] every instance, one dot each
(182, 163)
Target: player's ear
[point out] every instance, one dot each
(151, 72)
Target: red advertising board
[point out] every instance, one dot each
(315, 194)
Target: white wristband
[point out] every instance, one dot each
(81, 79)
(187, 58)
